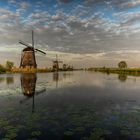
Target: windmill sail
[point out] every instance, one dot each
(40, 51)
(25, 44)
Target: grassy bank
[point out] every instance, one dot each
(38, 70)
(131, 71)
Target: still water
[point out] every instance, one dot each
(69, 106)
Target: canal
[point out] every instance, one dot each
(76, 105)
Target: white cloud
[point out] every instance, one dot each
(24, 5)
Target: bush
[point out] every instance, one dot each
(2, 69)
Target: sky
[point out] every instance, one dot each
(83, 33)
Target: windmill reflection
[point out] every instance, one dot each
(56, 78)
(28, 84)
(59, 77)
(67, 75)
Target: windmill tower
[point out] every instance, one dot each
(28, 59)
(56, 64)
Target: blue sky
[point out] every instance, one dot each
(82, 32)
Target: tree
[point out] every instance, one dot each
(2, 69)
(9, 65)
(122, 64)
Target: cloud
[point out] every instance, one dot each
(118, 4)
(64, 1)
(24, 5)
(59, 16)
(82, 31)
(12, 1)
(93, 2)
(126, 3)
(128, 18)
(62, 32)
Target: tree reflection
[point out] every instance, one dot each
(9, 80)
(122, 77)
(2, 79)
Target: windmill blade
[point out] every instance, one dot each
(23, 43)
(40, 51)
(32, 38)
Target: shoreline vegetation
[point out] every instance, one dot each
(121, 70)
(127, 71)
(18, 70)
(38, 70)
(10, 68)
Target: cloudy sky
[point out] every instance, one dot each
(84, 33)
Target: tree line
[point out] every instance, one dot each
(7, 67)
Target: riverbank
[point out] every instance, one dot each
(131, 71)
(32, 70)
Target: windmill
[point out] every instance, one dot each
(56, 64)
(28, 54)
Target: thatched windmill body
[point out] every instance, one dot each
(28, 58)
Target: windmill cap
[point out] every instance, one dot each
(28, 49)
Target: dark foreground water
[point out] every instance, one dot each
(69, 106)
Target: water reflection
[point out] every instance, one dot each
(2, 79)
(61, 78)
(28, 83)
(67, 74)
(10, 80)
(93, 106)
(122, 77)
(56, 78)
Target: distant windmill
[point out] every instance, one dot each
(56, 64)
(28, 54)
